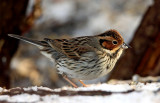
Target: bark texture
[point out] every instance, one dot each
(144, 56)
(12, 16)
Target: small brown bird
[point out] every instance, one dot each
(83, 58)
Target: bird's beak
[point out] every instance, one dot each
(125, 46)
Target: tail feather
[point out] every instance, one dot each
(37, 43)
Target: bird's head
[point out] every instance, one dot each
(112, 41)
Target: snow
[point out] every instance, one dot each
(21, 98)
(148, 86)
(134, 97)
(35, 88)
(31, 88)
(103, 87)
(143, 93)
(2, 89)
(116, 88)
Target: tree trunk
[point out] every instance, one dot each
(144, 56)
(12, 15)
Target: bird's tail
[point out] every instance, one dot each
(37, 43)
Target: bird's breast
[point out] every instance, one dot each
(91, 65)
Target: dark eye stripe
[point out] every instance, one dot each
(107, 44)
(103, 40)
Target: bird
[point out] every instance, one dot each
(82, 58)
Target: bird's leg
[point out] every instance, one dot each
(83, 83)
(73, 84)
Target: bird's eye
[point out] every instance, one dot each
(114, 42)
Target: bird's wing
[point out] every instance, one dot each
(72, 48)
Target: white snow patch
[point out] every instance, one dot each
(20, 98)
(45, 88)
(134, 97)
(147, 86)
(1, 89)
(144, 93)
(35, 88)
(102, 87)
(4, 97)
(24, 98)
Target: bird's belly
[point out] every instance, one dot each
(85, 68)
(82, 73)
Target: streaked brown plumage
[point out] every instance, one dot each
(83, 58)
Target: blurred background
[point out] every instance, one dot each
(22, 64)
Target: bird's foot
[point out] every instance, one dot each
(84, 85)
(67, 79)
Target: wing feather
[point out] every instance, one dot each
(72, 48)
